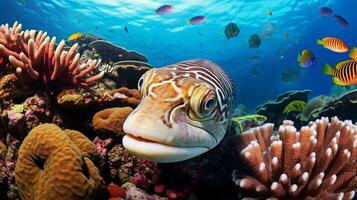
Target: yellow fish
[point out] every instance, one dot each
(270, 12)
(333, 44)
(75, 36)
(345, 72)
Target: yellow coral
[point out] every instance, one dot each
(53, 164)
(7, 85)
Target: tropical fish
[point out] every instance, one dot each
(341, 20)
(345, 72)
(325, 11)
(290, 75)
(75, 36)
(197, 20)
(307, 59)
(254, 41)
(353, 53)
(184, 111)
(295, 106)
(231, 30)
(126, 29)
(270, 12)
(162, 10)
(333, 44)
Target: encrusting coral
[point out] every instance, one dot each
(72, 100)
(56, 164)
(318, 162)
(36, 54)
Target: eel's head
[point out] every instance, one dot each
(177, 119)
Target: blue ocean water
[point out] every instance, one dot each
(294, 26)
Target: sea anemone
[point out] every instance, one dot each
(35, 54)
(317, 162)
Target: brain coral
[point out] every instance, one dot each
(111, 120)
(53, 164)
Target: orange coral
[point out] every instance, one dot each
(36, 54)
(7, 86)
(126, 95)
(51, 165)
(111, 119)
(86, 146)
(318, 162)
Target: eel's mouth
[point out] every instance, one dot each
(159, 152)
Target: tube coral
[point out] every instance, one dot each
(36, 54)
(317, 162)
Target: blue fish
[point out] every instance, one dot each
(307, 59)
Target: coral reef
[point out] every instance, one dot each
(76, 109)
(112, 53)
(87, 148)
(241, 110)
(274, 110)
(7, 86)
(32, 112)
(116, 191)
(50, 165)
(125, 167)
(125, 73)
(310, 112)
(7, 166)
(318, 162)
(344, 106)
(134, 193)
(339, 90)
(83, 42)
(73, 100)
(35, 54)
(111, 120)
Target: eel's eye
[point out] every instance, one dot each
(209, 104)
(203, 103)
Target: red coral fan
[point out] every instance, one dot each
(317, 162)
(36, 53)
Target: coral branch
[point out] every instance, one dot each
(317, 162)
(36, 54)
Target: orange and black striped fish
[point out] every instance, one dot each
(345, 72)
(334, 44)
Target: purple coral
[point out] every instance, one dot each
(102, 145)
(32, 112)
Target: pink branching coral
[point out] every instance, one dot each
(37, 54)
(317, 162)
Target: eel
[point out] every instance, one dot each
(184, 112)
